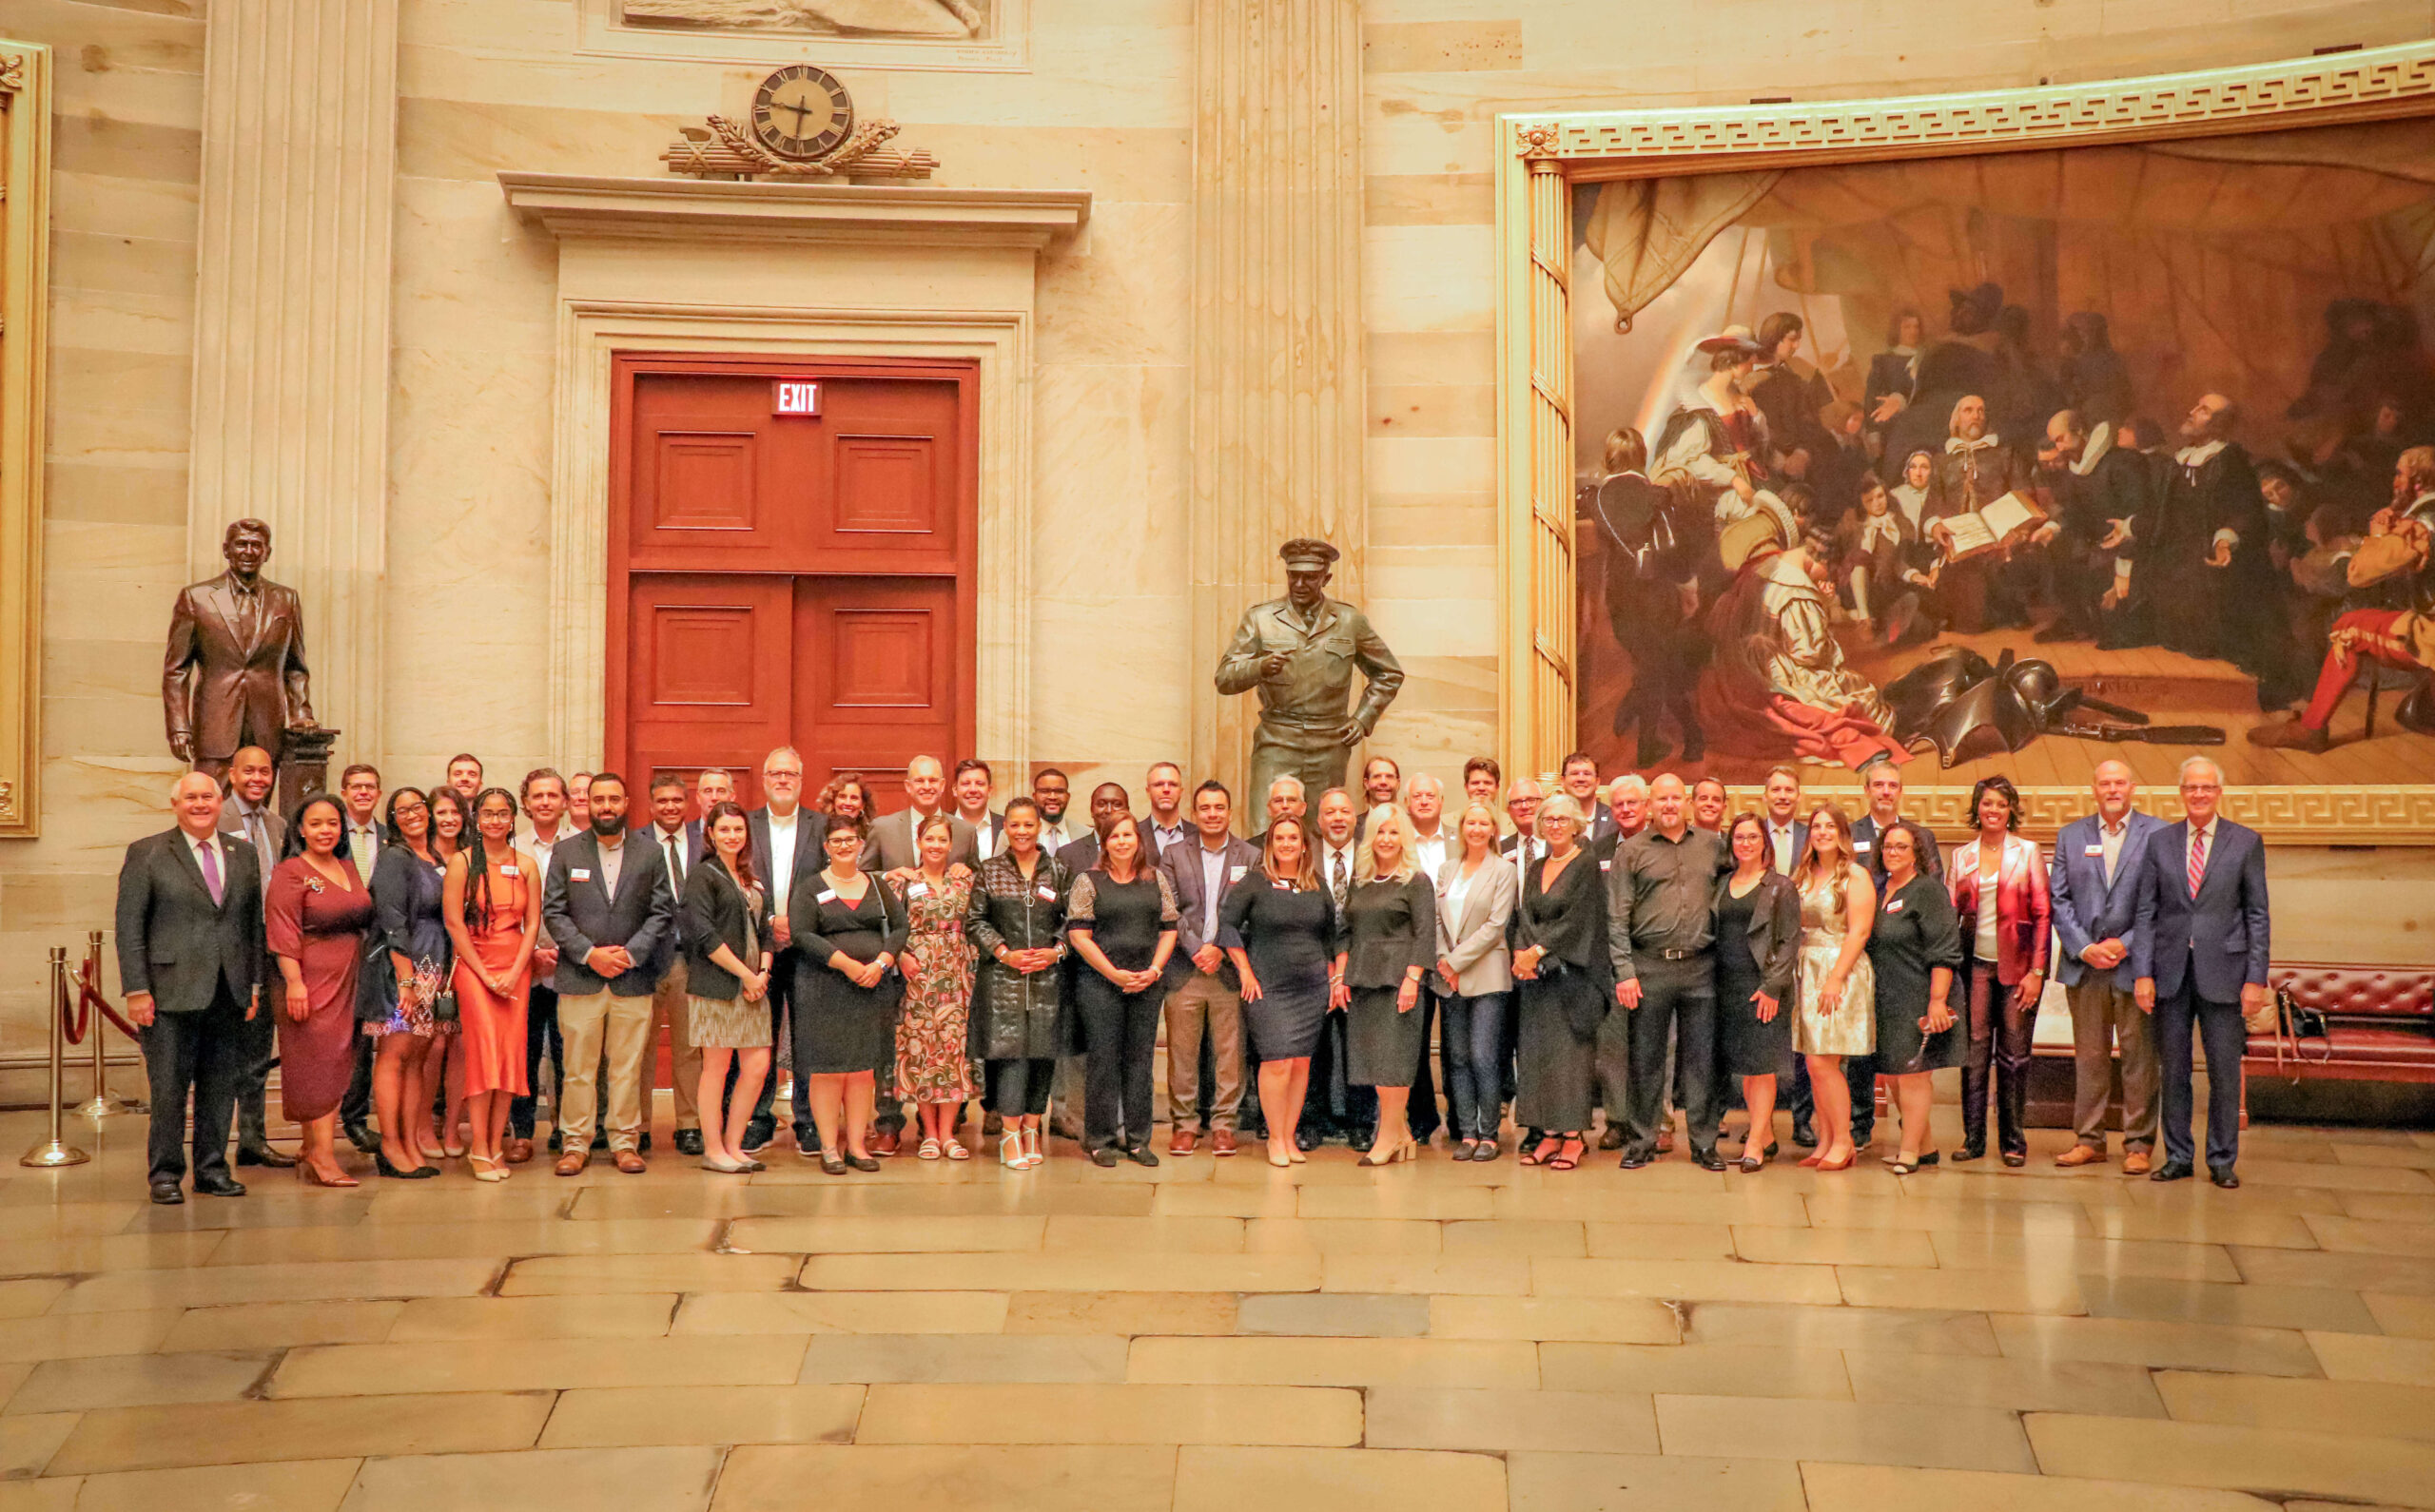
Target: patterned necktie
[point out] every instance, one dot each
(1337, 879)
(676, 866)
(2197, 859)
(208, 854)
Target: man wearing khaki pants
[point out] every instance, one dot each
(609, 906)
(2095, 882)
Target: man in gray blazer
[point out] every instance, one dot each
(2100, 864)
(190, 959)
(1203, 992)
(247, 814)
(609, 905)
(893, 837)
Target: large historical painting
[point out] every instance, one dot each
(2014, 462)
(956, 20)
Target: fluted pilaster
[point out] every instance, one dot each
(292, 320)
(1277, 341)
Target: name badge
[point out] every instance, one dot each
(1605, 866)
(1894, 907)
(1047, 894)
(919, 889)
(826, 895)
(1862, 844)
(510, 871)
(578, 874)
(2093, 850)
(1234, 874)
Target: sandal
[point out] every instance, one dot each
(1540, 1153)
(1568, 1155)
(930, 1150)
(955, 1151)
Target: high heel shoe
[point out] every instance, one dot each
(1010, 1151)
(1408, 1150)
(306, 1173)
(1844, 1164)
(486, 1168)
(1033, 1155)
(380, 1163)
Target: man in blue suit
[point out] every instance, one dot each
(2200, 943)
(2100, 865)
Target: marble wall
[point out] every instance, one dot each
(1107, 105)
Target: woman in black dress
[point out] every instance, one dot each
(1018, 924)
(1757, 945)
(1287, 921)
(405, 910)
(846, 933)
(1915, 949)
(1120, 916)
(1390, 942)
(1567, 984)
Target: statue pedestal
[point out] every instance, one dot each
(305, 766)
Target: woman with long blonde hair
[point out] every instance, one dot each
(1837, 987)
(1387, 946)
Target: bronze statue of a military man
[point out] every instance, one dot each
(1300, 652)
(235, 674)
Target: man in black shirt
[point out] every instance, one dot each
(1661, 934)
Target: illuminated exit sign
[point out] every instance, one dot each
(795, 397)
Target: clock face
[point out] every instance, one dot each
(801, 112)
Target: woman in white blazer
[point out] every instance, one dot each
(1476, 892)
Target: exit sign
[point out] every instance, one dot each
(795, 397)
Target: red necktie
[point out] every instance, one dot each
(2197, 859)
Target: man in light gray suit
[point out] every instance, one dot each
(2100, 863)
(893, 837)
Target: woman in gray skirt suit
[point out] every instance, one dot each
(1390, 942)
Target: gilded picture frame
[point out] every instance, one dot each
(1544, 157)
(24, 287)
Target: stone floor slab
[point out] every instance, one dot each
(1225, 1480)
(1297, 1416)
(632, 1480)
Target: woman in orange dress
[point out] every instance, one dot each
(318, 910)
(491, 901)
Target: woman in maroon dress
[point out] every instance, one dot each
(319, 912)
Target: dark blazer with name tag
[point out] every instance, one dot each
(1182, 866)
(173, 940)
(580, 914)
(2087, 908)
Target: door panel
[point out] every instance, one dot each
(875, 677)
(710, 672)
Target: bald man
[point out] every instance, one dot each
(2099, 866)
(191, 961)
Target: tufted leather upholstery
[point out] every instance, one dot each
(2382, 1022)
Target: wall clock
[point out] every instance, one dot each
(801, 112)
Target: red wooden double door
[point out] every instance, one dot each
(786, 579)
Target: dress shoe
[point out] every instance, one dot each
(1307, 1140)
(1634, 1159)
(1970, 1152)
(221, 1185)
(168, 1194)
(359, 1135)
(645, 1143)
(1612, 1138)
(2222, 1176)
(884, 1142)
(2015, 1159)
(600, 1142)
(1710, 1160)
(2136, 1163)
(263, 1156)
(2172, 1171)
(1804, 1136)
(1861, 1142)
(1106, 1155)
(1361, 1135)
(1141, 1156)
(517, 1152)
(2084, 1155)
(629, 1162)
(1182, 1141)
(1222, 1142)
(689, 1142)
(573, 1162)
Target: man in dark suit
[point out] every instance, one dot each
(970, 790)
(190, 959)
(893, 841)
(247, 814)
(1203, 992)
(235, 674)
(1109, 803)
(608, 905)
(785, 850)
(2099, 868)
(1788, 841)
(1579, 779)
(2200, 939)
(677, 841)
(1882, 780)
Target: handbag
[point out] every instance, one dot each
(443, 1006)
(2294, 1022)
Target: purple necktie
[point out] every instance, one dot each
(209, 855)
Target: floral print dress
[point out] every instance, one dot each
(933, 1060)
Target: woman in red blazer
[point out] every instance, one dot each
(1999, 895)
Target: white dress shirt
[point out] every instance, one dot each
(673, 854)
(984, 840)
(1428, 852)
(219, 849)
(782, 857)
(1330, 857)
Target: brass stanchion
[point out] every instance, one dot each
(101, 1105)
(55, 1152)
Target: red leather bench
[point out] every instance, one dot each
(2382, 1018)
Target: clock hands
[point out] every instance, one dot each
(801, 110)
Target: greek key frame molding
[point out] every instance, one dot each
(25, 304)
(1543, 154)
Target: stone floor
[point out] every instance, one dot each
(1220, 1335)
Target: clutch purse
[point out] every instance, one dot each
(443, 1007)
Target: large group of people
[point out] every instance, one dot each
(1973, 484)
(415, 956)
